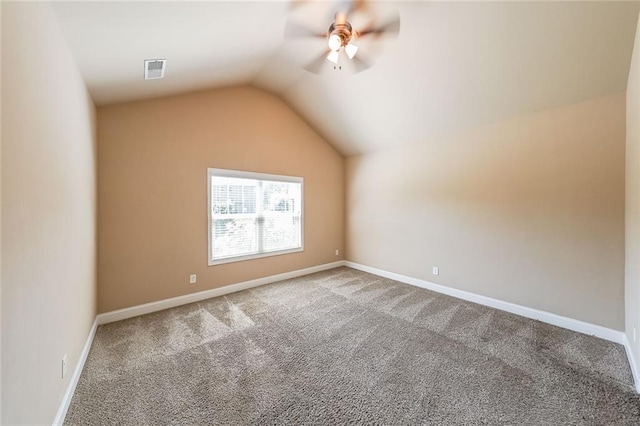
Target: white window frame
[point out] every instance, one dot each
(211, 172)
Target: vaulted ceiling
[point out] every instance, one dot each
(454, 65)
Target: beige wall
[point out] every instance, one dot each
(529, 210)
(152, 167)
(632, 216)
(48, 213)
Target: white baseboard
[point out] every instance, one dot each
(548, 317)
(71, 388)
(632, 363)
(147, 308)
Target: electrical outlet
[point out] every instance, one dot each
(337, 252)
(435, 270)
(192, 279)
(64, 365)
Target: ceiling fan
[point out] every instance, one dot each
(342, 38)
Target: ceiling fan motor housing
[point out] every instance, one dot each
(343, 31)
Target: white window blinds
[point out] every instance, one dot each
(253, 215)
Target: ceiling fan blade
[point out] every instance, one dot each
(360, 64)
(341, 18)
(316, 65)
(293, 4)
(357, 6)
(392, 27)
(297, 30)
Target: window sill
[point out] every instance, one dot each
(254, 256)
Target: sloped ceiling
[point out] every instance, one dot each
(454, 65)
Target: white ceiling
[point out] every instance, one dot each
(453, 66)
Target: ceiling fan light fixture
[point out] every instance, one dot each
(351, 49)
(333, 56)
(340, 34)
(335, 42)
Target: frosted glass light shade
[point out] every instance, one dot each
(333, 56)
(351, 50)
(335, 42)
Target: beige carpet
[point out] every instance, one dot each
(346, 347)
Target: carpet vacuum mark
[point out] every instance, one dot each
(347, 347)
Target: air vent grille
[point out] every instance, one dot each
(154, 68)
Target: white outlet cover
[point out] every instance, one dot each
(436, 270)
(337, 252)
(192, 279)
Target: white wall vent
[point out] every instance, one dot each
(154, 68)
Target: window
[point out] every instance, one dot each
(253, 215)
